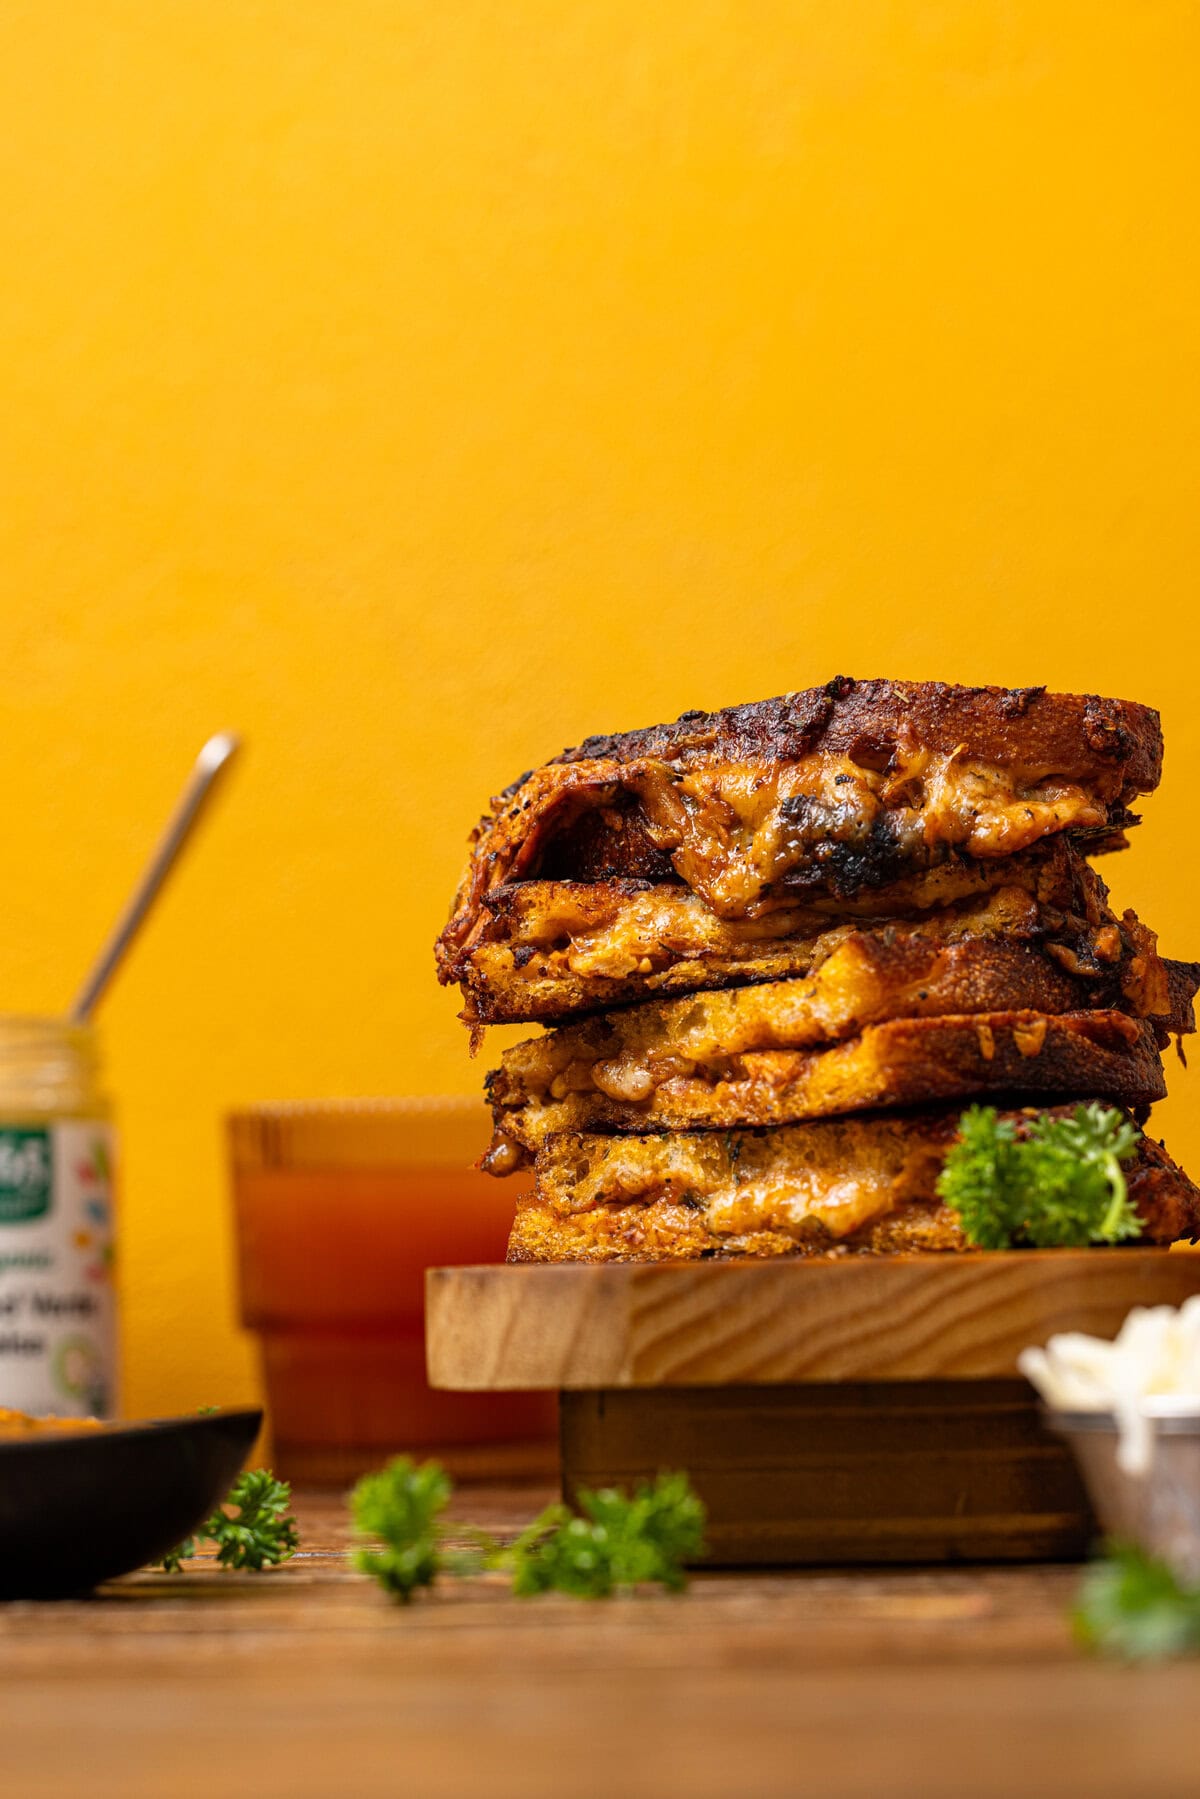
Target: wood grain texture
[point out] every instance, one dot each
(573, 1326)
(885, 1471)
(307, 1683)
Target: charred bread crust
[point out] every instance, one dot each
(1115, 744)
(1164, 1198)
(1183, 983)
(903, 1062)
(748, 806)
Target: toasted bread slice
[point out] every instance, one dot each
(838, 1187)
(550, 948)
(902, 1062)
(866, 978)
(838, 789)
(1115, 745)
(556, 948)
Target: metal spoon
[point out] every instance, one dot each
(209, 763)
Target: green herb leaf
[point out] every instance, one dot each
(174, 1557)
(615, 1543)
(1056, 1182)
(1130, 1604)
(258, 1532)
(612, 1543)
(401, 1507)
(981, 1179)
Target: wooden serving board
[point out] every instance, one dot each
(827, 1412)
(703, 1324)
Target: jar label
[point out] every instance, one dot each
(57, 1323)
(24, 1175)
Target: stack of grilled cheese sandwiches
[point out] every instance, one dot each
(783, 946)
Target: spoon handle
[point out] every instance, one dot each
(209, 763)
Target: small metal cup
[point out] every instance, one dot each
(1158, 1510)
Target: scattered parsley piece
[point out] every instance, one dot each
(259, 1532)
(613, 1543)
(1058, 1184)
(401, 1506)
(1132, 1605)
(174, 1557)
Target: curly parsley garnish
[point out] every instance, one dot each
(253, 1529)
(611, 1544)
(1058, 1183)
(401, 1507)
(1132, 1605)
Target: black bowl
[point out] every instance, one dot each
(79, 1507)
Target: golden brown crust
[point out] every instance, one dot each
(550, 948)
(556, 948)
(903, 1062)
(1183, 983)
(1116, 744)
(846, 1186)
(843, 788)
(864, 978)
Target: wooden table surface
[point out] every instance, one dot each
(308, 1681)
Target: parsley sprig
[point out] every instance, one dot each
(1053, 1183)
(252, 1529)
(401, 1506)
(611, 1544)
(1132, 1605)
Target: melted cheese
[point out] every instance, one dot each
(662, 926)
(838, 1176)
(839, 1204)
(734, 831)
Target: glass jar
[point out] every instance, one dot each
(57, 1312)
(340, 1208)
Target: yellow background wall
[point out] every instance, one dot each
(417, 387)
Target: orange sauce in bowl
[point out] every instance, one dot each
(19, 1424)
